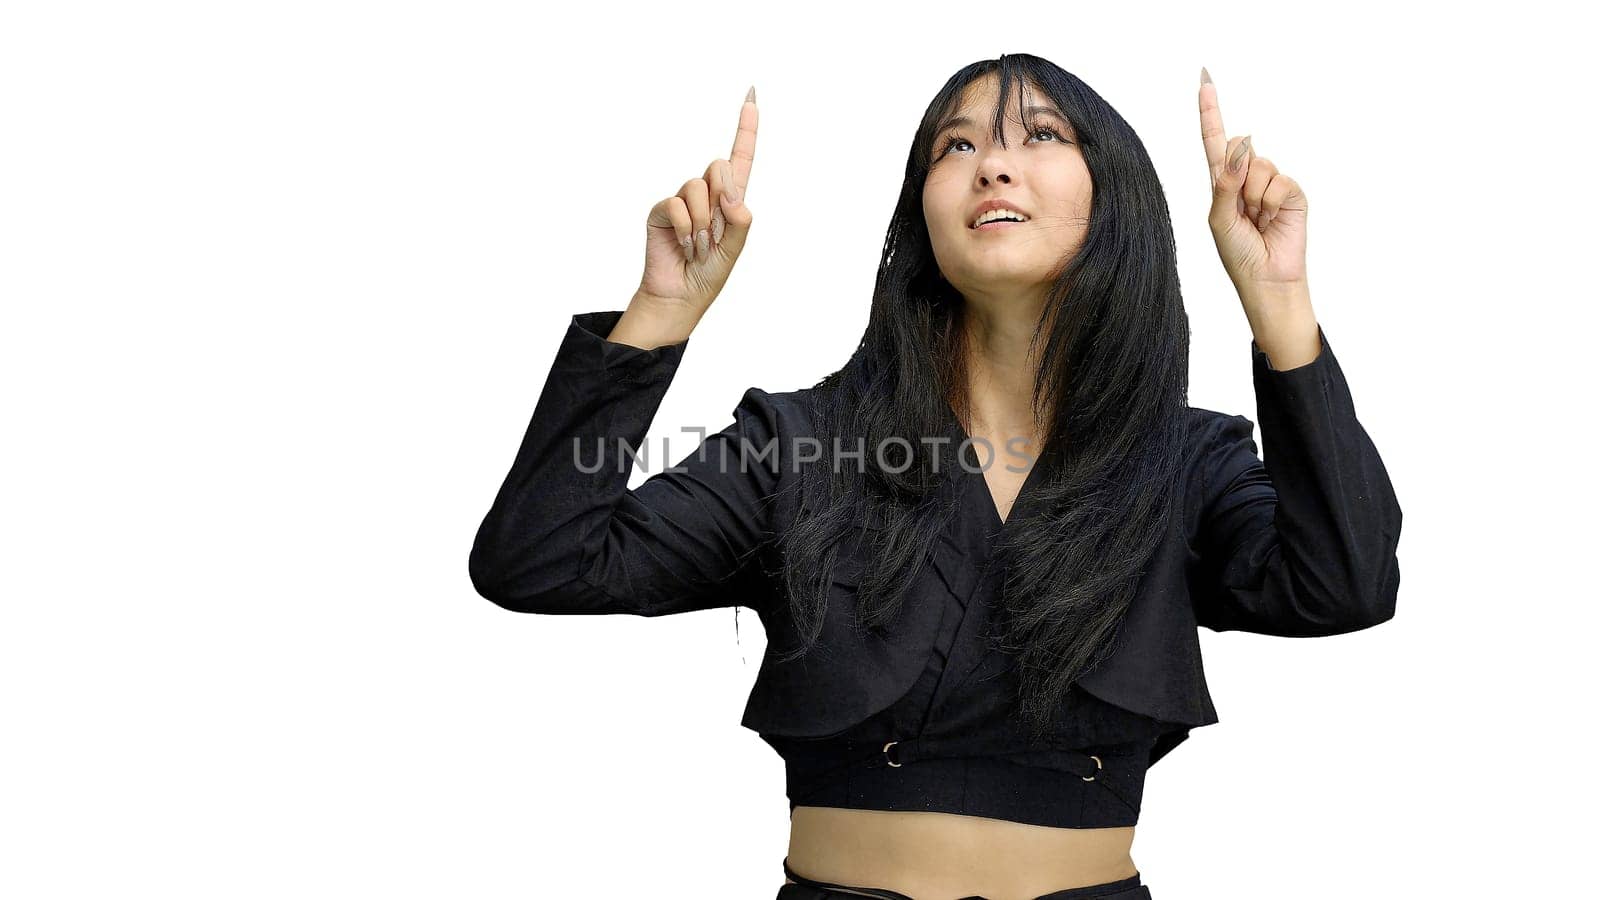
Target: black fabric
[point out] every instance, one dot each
(1300, 544)
(992, 774)
(970, 697)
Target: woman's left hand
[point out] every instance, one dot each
(1258, 214)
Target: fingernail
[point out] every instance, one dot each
(716, 225)
(750, 96)
(703, 242)
(1236, 158)
(688, 247)
(1265, 221)
(1205, 77)
(1251, 211)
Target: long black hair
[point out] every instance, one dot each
(1113, 350)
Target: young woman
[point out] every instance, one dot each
(973, 655)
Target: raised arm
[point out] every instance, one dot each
(565, 535)
(1303, 544)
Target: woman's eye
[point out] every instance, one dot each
(1042, 129)
(950, 145)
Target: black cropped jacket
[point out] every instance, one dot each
(1302, 544)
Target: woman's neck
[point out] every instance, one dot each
(1000, 371)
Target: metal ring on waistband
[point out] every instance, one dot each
(886, 754)
(1098, 768)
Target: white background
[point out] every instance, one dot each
(282, 283)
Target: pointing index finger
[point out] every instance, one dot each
(1212, 134)
(744, 141)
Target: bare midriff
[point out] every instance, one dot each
(931, 854)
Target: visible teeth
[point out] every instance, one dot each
(999, 214)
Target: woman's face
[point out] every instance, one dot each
(1042, 174)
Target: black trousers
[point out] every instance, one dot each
(807, 889)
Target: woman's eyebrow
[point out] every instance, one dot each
(966, 121)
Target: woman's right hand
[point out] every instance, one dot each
(693, 237)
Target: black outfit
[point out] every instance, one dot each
(1301, 545)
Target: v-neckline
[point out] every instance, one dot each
(986, 496)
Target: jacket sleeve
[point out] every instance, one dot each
(1304, 544)
(565, 535)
